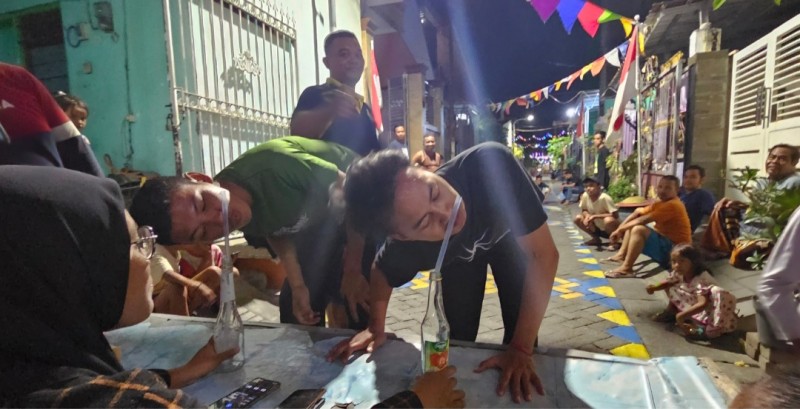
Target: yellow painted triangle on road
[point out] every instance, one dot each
(561, 289)
(583, 251)
(594, 273)
(588, 260)
(561, 280)
(419, 283)
(604, 290)
(618, 317)
(570, 296)
(632, 351)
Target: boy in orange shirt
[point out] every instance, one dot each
(671, 227)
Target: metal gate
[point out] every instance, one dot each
(233, 78)
(765, 103)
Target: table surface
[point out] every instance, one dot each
(295, 357)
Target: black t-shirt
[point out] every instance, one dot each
(500, 199)
(357, 133)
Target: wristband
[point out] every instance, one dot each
(520, 348)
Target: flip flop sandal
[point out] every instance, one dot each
(612, 274)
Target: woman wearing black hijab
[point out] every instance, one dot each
(74, 266)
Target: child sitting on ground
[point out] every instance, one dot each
(700, 308)
(178, 294)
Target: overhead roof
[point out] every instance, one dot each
(742, 22)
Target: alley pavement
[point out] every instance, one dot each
(587, 311)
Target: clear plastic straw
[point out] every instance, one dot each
(446, 241)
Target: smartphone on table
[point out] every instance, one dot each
(304, 399)
(247, 395)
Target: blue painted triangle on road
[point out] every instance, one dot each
(612, 303)
(554, 293)
(626, 333)
(593, 297)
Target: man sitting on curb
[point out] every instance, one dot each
(671, 227)
(723, 227)
(567, 186)
(698, 201)
(599, 216)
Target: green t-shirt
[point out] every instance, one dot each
(288, 179)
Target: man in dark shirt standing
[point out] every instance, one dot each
(698, 201)
(600, 166)
(334, 111)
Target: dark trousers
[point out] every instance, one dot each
(464, 283)
(319, 251)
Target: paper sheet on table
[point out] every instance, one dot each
(288, 355)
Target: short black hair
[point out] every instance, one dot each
(567, 171)
(337, 34)
(601, 133)
(369, 190)
(591, 180)
(673, 179)
(537, 177)
(150, 205)
(794, 153)
(698, 168)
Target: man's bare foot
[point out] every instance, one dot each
(613, 259)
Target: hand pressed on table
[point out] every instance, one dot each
(517, 374)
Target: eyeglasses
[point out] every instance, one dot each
(146, 243)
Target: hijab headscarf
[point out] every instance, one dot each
(64, 252)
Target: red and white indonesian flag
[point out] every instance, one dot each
(375, 100)
(627, 87)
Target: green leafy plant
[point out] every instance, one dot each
(623, 176)
(769, 207)
(757, 261)
(621, 189)
(555, 148)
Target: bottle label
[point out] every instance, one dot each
(227, 292)
(436, 355)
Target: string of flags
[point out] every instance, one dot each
(588, 14)
(612, 58)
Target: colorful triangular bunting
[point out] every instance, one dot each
(589, 16)
(568, 11)
(597, 66)
(544, 8)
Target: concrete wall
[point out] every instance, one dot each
(126, 88)
(709, 103)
